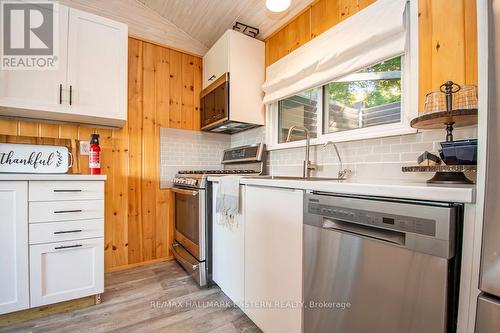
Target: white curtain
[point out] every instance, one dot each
(375, 34)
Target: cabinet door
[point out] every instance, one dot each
(66, 270)
(215, 61)
(14, 283)
(39, 89)
(273, 258)
(228, 251)
(97, 66)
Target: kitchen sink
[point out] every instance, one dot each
(296, 178)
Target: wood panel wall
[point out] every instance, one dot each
(164, 91)
(447, 37)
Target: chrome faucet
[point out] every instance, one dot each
(343, 173)
(308, 166)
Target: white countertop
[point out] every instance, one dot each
(41, 176)
(381, 188)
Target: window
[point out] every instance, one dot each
(298, 110)
(365, 104)
(370, 97)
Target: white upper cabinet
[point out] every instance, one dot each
(243, 57)
(42, 90)
(90, 83)
(14, 271)
(97, 66)
(216, 61)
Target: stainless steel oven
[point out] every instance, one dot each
(192, 237)
(189, 245)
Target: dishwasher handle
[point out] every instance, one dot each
(384, 235)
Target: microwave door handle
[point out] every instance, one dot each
(384, 235)
(184, 192)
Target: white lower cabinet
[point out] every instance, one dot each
(66, 270)
(273, 258)
(14, 276)
(47, 253)
(228, 251)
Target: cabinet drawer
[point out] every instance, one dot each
(66, 270)
(66, 190)
(65, 231)
(54, 211)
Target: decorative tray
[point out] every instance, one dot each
(440, 168)
(459, 118)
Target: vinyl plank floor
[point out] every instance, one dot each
(155, 298)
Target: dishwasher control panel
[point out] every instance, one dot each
(383, 220)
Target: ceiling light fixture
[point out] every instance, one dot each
(278, 5)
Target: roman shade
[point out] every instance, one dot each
(374, 34)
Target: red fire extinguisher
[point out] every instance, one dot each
(94, 155)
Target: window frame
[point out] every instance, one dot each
(409, 102)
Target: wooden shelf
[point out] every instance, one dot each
(436, 120)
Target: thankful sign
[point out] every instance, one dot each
(20, 158)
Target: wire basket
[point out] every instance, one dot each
(459, 98)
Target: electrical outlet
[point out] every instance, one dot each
(84, 147)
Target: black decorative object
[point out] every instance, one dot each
(246, 29)
(452, 106)
(428, 159)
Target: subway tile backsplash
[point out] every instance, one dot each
(379, 158)
(183, 150)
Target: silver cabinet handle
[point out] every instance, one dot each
(64, 191)
(67, 211)
(66, 232)
(185, 192)
(388, 236)
(67, 247)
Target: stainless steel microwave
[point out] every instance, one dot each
(216, 111)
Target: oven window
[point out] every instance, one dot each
(187, 216)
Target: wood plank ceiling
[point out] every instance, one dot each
(143, 23)
(206, 20)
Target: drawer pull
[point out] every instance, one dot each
(62, 191)
(66, 232)
(67, 211)
(67, 247)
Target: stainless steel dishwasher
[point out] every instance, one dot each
(379, 265)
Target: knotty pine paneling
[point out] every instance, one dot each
(447, 47)
(163, 91)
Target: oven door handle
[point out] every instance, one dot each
(185, 192)
(179, 257)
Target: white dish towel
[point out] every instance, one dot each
(228, 199)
